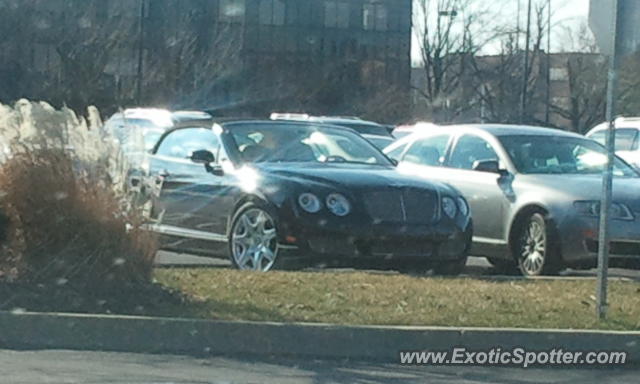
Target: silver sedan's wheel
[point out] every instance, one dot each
(533, 248)
(534, 252)
(254, 243)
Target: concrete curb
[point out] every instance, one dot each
(201, 337)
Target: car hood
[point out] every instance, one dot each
(347, 176)
(585, 187)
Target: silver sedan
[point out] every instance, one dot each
(534, 193)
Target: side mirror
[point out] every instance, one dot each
(490, 166)
(202, 157)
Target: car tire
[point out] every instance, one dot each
(536, 247)
(253, 239)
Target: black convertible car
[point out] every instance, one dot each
(268, 192)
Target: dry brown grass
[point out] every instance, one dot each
(64, 196)
(66, 227)
(376, 299)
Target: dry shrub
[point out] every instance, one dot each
(66, 205)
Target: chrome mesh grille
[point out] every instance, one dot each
(402, 206)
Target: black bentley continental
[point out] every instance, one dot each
(266, 193)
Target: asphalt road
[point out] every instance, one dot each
(30, 367)
(476, 266)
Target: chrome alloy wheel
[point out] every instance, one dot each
(533, 248)
(254, 243)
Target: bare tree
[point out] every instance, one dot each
(195, 61)
(85, 49)
(629, 97)
(58, 50)
(449, 33)
(497, 80)
(586, 75)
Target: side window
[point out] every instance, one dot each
(470, 149)
(428, 151)
(181, 143)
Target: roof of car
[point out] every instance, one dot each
(621, 123)
(342, 120)
(180, 116)
(502, 130)
(229, 122)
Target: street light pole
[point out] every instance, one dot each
(548, 106)
(525, 72)
(607, 179)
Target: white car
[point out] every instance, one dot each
(405, 130)
(627, 138)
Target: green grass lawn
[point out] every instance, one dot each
(387, 299)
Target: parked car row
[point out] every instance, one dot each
(268, 193)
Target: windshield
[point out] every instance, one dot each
(259, 143)
(626, 138)
(560, 155)
(151, 137)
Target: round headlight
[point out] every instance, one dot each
(309, 202)
(463, 206)
(338, 204)
(449, 207)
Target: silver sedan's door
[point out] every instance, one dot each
(431, 157)
(488, 193)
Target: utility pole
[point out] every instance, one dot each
(140, 52)
(607, 178)
(525, 72)
(547, 114)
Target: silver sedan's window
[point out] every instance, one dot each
(428, 151)
(470, 149)
(560, 155)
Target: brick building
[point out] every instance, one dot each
(248, 56)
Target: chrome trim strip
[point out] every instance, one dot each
(402, 206)
(486, 240)
(189, 233)
(289, 247)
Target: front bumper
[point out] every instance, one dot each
(579, 239)
(317, 239)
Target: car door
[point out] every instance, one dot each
(488, 193)
(186, 193)
(431, 157)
